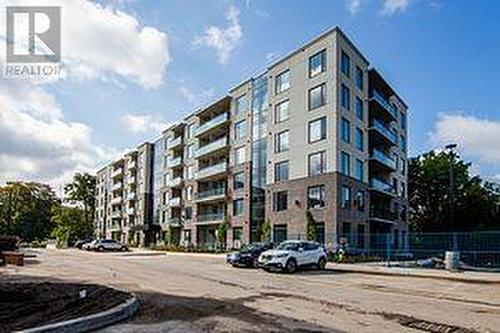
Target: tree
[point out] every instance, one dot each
(222, 231)
(82, 191)
(70, 224)
(265, 235)
(311, 226)
(474, 201)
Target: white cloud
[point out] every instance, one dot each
(223, 40)
(393, 6)
(100, 41)
(143, 123)
(353, 6)
(476, 138)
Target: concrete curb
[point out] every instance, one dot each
(421, 275)
(91, 322)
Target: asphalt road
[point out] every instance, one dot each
(199, 293)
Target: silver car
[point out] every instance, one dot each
(107, 245)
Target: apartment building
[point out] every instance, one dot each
(319, 131)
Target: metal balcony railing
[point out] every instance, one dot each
(172, 143)
(214, 122)
(380, 99)
(383, 158)
(173, 162)
(385, 131)
(382, 186)
(212, 146)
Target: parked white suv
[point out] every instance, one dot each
(106, 245)
(291, 255)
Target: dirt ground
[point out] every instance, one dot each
(200, 293)
(30, 304)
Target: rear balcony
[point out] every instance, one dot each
(174, 162)
(383, 160)
(382, 187)
(211, 195)
(381, 105)
(174, 202)
(212, 147)
(211, 171)
(381, 133)
(210, 218)
(212, 123)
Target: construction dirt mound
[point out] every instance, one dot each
(27, 305)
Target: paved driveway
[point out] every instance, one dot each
(185, 292)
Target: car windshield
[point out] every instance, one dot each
(252, 247)
(289, 246)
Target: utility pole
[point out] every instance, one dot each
(451, 149)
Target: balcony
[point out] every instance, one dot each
(210, 171)
(212, 147)
(116, 214)
(131, 196)
(175, 182)
(174, 162)
(131, 180)
(174, 221)
(131, 211)
(212, 123)
(387, 133)
(210, 218)
(382, 187)
(382, 215)
(383, 159)
(384, 103)
(117, 173)
(174, 202)
(213, 194)
(132, 164)
(173, 143)
(115, 226)
(116, 200)
(117, 186)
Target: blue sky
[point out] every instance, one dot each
(441, 56)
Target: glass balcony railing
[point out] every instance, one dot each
(214, 122)
(208, 194)
(116, 200)
(212, 146)
(117, 186)
(382, 186)
(204, 218)
(173, 162)
(116, 214)
(116, 173)
(174, 221)
(211, 170)
(174, 202)
(385, 131)
(174, 182)
(383, 158)
(172, 143)
(375, 95)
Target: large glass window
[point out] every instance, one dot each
(346, 130)
(281, 141)
(281, 111)
(345, 160)
(238, 206)
(316, 196)
(280, 201)
(281, 171)
(345, 196)
(317, 130)
(241, 105)
(238, 180)
(402, 142)
(345, 64)
(317, 96)
(317, 63)
(403, 120)
(359, 170)
(359, 108)
(239, 155)
(345, 97)
(360, 139)
(282, 81)
(317, 163)
(359, 78)
(240, 130)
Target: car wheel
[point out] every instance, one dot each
(123, 249)
(321, 263)
(291, 266)
(100, 248)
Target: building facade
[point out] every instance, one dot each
(320, 132)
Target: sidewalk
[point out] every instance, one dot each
(465, 276)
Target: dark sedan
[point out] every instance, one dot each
(247, 256)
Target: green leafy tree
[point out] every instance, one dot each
(82, 191)
(311, 226)
(265, 235)
(222, 231)
(70, 224)
(474, 201)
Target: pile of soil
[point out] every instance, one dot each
(27, 305)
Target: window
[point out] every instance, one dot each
(316, 196)
(317, 163)
(317, 63)
(359, 78)
(345, 64)
(317, 96)
(395, 185)
(359, 108)
(361, 236)
(190, 172)
(360, 139)
(280, 201)
(282, 81)
(237, 234)
(281, 141)
(403, 120)
(241, 105)
(317, 130)
(403, 143)
(279, 233)
(187, 236)
(346, 131)
(345, 197)
(190, 151)
(281, 171)
(238, 207)
(359, 170)
(345, 160)
(240, 129)
(403, 167)
(281, 112)
(238, 180)
(345, 97)
(360, 201)
(403, 190)
(239, 155)
(188, 211)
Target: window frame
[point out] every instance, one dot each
(322, 88)
(322, 127)
(278, 120)
(322, 56)
(321, 191)
(277, 168)
(277, 201)
(241, 209)
(345, 57)
(242, 173)
(345, 88)
(278, 141)
(322, 160)
(236, 129)
(278, 82)
(345, 124)
(342, 164)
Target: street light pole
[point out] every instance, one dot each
(451, 149)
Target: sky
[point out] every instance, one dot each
(132, 67)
